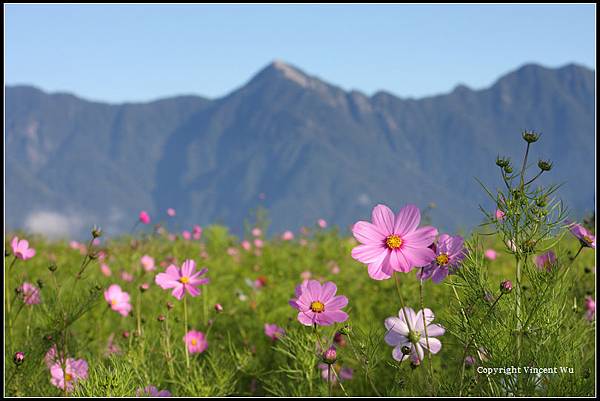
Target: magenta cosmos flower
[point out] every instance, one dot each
(21, 249)
(322, 223)
(545, 260)
(148, 263)
(343, 373)
(287, 236)
(117, 299)
(31, 294)
(186, 279)
(318, 304)
(590, 308)
(74, 371)
(450, 252)
(273, 331)
(584, 236)
(171, 212)
(195, 341)
(144, 217)
(490, 254)
(409, 339)
(152, 392)
(393, 243)
(500, 215)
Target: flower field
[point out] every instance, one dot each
(395, 308)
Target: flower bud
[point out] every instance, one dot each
(530, 136)
(19, 358)
(339, 339)
(506, 286)
(330, 355)
(502, 162)
(96, 232)
(469, 361)
(40, 283)
(144, 287)
(405, 350)
(125, 334)
(346, 330)
(170, 305)
(52, 267)
(161, 318)
(508, 169)
(218, 308)
(545, 165)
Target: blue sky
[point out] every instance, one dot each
(136, 53)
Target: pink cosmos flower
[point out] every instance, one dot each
(303, 242)
(287, 236)
(74, 371)
(127, 277)
(393, 243)
(305, 275)
(258, 243)
(195, 341)
(584, 236)
(273, 331)
(317, 304)
(111, 346)
(500, 215)
(246, 245)
(148, 263)
(197, 230)
(21, 249)
(590, 306)
(342, 372)
(144, 217)
(450, 252)
(490, 254)
(410, 339)
(105, 270)
(152, 392)
(322, 223)
(186, 235)
(96, 241)
(31, 294)
(52, 357)
(182, 280)
(231, 251)
(545, 260)
(117, 299)
(74, 245)
(171, 212)
(257, 232)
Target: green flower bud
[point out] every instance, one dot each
(545, 165)
(530, 136)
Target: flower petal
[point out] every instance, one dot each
(383, 217)
(407, 220)
(367, 233)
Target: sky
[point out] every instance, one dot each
(121, 53)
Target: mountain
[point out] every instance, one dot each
(313, 149)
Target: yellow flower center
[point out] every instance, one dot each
(194, 341)
(317, 306)
(588, 239)
(184, 280)
(393, 241)
(113, 302)
(442, 259)
(68, 377)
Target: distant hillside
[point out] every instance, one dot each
(313, 150)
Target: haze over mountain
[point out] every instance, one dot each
(313, 150)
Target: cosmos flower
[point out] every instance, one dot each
(590, 308)
(105, 270)
(490, 254)
(195, 341)
(343, 373)
(499, 215)
(545, 260)
(126, 276)
(317, 304)
(148, 263)
(273, 331)
(182, 280)
(409, 339)
(117, 299)
(21, 249)
(144, 217)
(74, 371)
(171, 212)
(186, 235)
(322, 223)
(31, 294)
(257, 232)
(259, 243)
(450, 252)
(152, 392)
(393, 243)
(586, 238)
(287, 236)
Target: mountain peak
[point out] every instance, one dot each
(282, 69)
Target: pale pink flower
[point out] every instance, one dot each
(74, 371)
(144, 217)
(74, 245)
(31, 294)
(586, 238)
(258, 243)
(246, 245)
(105, 270)
(197, 230)
(172, 237)
(305, 275)
(545, 260)
(52, 357)
(182, 280)
(499, 215)
(148, 263)
(127, 277)
(21, 249)
(318, 304)
(273, 331)
(186, 235)
(257, 232)
(406, 333)
(322, 223)
(171, 212)
(343, 373)
(111, 346)
(490, 254)
(303, 242)
(117, 299)
(287, 236)
(96, 241)
(590, 308)
(195, 341)
(231, 251)
(393, 243)
(152, 391)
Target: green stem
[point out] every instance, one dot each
(185, 322)
(518, 306)
(329, 378)
(397, 278)
(425, 329)
(139, 314)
